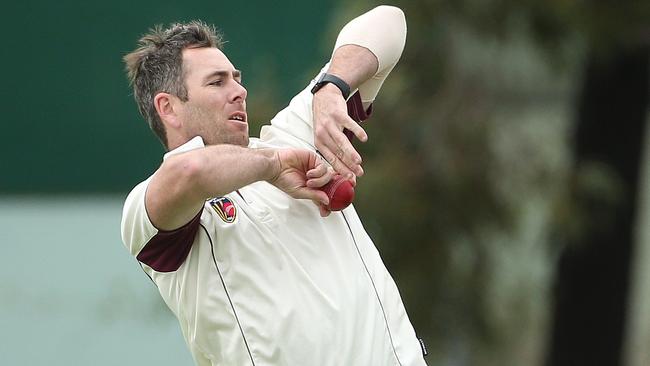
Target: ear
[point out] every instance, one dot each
(165, 105)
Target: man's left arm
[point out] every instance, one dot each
(367, 49)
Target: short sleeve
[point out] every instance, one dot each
(163, 251)
(137, 229)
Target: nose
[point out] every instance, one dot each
(239, 93)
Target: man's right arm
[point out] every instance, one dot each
(178, 190)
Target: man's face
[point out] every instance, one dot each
(216, 105)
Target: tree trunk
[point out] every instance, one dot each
(593, 274)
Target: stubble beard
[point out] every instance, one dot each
(214, 131)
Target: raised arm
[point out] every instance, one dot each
(181, 185)
(366, 50)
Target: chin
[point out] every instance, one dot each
(244, 141)
(235, 140)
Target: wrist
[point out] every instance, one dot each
(330, 80)
(273, 164)
(329, 89)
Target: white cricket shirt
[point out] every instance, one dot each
(259, 278)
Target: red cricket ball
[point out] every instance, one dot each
(340, 192)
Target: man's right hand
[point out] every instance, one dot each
(300, 173)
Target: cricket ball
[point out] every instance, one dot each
(340, 193)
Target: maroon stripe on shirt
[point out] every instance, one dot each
(356, 112)
(167, 250)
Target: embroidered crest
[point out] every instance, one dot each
(225, 208)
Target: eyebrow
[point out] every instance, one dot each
(235, 74)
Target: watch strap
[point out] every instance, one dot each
(329, 78)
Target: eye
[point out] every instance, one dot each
(217, 82)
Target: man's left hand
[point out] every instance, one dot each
(330, 118)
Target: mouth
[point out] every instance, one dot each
(238, 117)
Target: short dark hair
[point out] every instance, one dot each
(157, 65)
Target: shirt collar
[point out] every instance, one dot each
(194, 143)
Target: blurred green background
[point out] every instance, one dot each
(507, 186)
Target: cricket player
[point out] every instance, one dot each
(234, 231)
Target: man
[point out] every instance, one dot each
(255, 272)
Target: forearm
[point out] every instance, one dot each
(182, 183)
(221, 169)
(354, 64)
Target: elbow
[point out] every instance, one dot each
(394, 26)
(381, 30)
(391, 19)
(185, 172)
(391, 13)
(185, 167)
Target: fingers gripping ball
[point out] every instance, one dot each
(340, 193)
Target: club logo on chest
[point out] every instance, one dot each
(225, 208)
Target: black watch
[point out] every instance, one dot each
(329, 78)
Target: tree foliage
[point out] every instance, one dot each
(470, 165)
